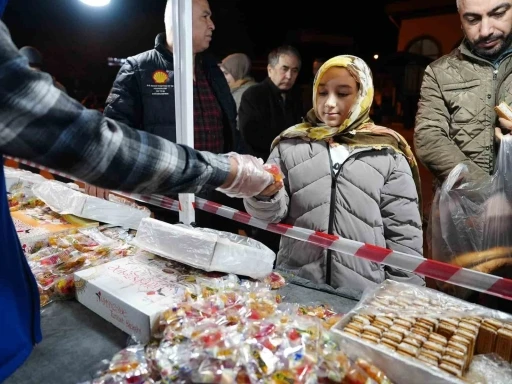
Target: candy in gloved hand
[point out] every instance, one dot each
(251, 177)
(275, 171)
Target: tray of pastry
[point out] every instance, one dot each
(419, 329)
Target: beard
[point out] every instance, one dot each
(490, 53)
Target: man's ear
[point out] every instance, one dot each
(269, 68)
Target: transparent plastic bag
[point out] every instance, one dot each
(489, 369)
(324, 312)
(471, 221)
(54, 264)
(204, 248)
(128, 366)
(65, 200)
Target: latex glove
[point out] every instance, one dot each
(251, 178)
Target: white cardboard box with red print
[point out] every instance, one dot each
(131, 292)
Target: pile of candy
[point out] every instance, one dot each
(322, 312)
(54, 265)
(18, 200)
(242, 335)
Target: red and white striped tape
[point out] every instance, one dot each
(453, 274)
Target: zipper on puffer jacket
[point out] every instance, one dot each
(330, 231)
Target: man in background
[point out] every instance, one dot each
(456, 121)
(143, 96)
(268, 108)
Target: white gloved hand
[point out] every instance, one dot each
(251, 178)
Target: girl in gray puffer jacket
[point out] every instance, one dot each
(346, 176)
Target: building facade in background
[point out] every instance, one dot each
(426, 31)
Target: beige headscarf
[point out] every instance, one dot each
(358, 129)
(238, 65)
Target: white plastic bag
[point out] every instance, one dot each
(204, 248)
(64, 200)
(471, 221)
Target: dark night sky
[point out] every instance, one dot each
(76, 39)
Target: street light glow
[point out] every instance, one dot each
(96, 3)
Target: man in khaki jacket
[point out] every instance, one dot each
(456, 120)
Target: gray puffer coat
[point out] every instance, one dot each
(371, 199)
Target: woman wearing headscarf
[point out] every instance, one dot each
(343, 175)
(237, 69)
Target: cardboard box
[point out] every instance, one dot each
(35, 225)
(132, 292)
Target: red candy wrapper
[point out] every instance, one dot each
(275, 280)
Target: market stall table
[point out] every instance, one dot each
(76, 340)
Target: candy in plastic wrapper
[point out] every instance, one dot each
(129, 366)
(357, 375)
(174, 360)
(334, 367)
(275, 280)
(215, 371)
(49, 257)
(321, 311)
(286, 376)
(371, 370)
(275, 171)
(265, 334)
(261, 304)
(65, 287)
(44, 253)
(118, 233)
(260, 361)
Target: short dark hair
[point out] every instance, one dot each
(273, 57)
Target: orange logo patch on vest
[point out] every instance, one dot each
(160, 77)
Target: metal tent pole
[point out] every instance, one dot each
(184, 93)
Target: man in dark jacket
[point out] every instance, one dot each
(268, 108)
(143, 97)
(143, 92)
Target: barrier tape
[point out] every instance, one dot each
(453, 274)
